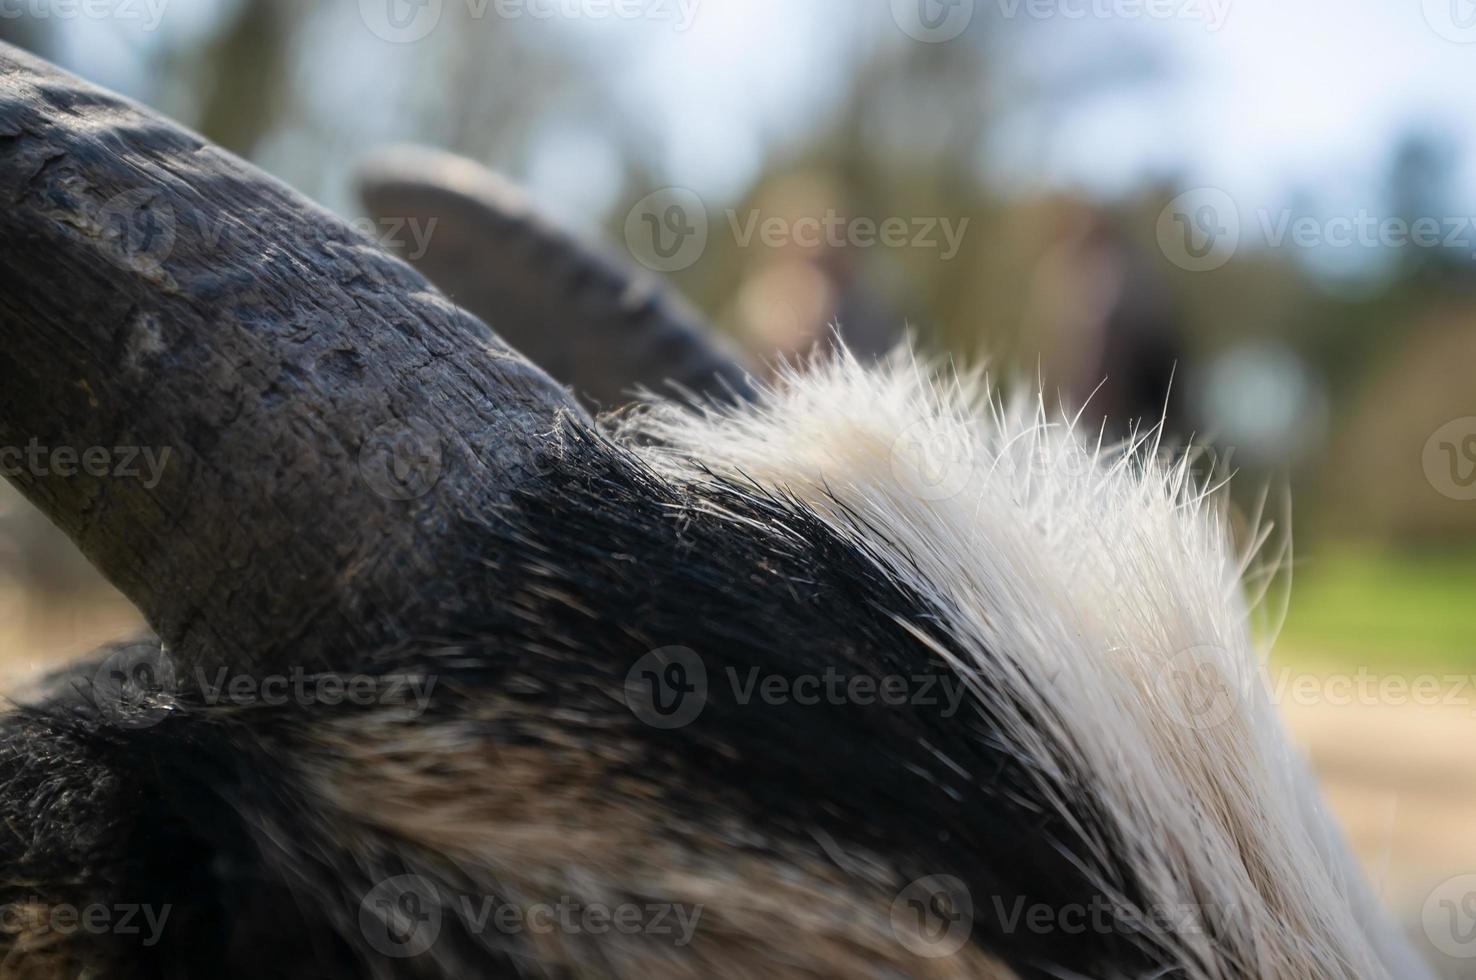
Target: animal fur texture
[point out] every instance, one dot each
(1093, 600)
(1110, 795)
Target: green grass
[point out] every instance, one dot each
(1395, 610)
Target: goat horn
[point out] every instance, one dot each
(590, 321)
(322, 414)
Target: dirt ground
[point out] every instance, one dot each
(38, 635)
(1402, 779)
(1403, 782)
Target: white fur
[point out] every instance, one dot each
(1085, 583)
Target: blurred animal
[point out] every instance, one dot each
(864, 673)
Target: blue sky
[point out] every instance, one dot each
(1283, 94)
(1288, 93)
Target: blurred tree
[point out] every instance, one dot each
(242, 72)
(24, 31)
(1419, 185)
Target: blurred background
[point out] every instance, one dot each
(1256, 220)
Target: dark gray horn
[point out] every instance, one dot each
(591, 321)
(258, 424)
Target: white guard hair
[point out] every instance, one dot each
(1099, 589)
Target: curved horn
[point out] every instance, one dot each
(259, 425)
(590, 321)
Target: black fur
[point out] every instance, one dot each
(601, 563)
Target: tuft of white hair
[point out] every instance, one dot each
(1098, 599)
